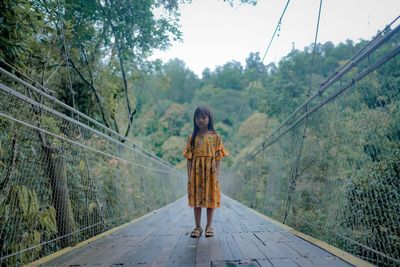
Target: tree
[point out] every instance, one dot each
(178, 82)
(254, 69)
(20, 24)
(229, 76)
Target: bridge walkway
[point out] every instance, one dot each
(242, 237)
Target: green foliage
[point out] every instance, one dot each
(255, 69)
(20, 22)
(25, 201)
(176, 82)
(253, 126)
(224, 111)
(173, 119)
(345, 187)
(232, 2)
(229, 76)
(375, 219)
(36, 224)
(172, 149)
(48, 222)
(222, 129)
(84, 47)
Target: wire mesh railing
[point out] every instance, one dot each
(332, 168)
(65, 178)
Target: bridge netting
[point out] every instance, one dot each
(65, 178)
(332, 168)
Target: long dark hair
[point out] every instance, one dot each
(202, 110)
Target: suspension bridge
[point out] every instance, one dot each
(74, 192)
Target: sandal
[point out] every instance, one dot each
(209, 231)
(196, 232)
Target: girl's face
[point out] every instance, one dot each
(202, 121)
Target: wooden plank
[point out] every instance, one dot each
(286, 250)
(133, 235)
(215, 249)
(225, 250)
(149, 250)
(269, 227)
(209, 249)
(165, 252)
(304, 262)
(145, 253)
(184, 251)
(225, 226)
(99, 252)
(189, 254)
(247, 246)
(289, 235)
(268, 247)
(232, 224)
(265, 263)
(235, 251)
(329, 262)
(273, 236)
(307, 249)
(285, 262)
(222, 222)
(163, 239)
(350, 259)
(114, 254)
(203, 264)
(241, 263)
(202, 250)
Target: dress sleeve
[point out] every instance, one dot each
(187, 151)
(220, 150)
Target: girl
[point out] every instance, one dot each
(204, 150)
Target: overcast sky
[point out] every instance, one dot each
(215, 33)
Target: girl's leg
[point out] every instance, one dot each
(210, 213)
(197, 216)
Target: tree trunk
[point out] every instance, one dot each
(54, 167)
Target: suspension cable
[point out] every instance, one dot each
(276, 30)
(59, 114)
(135, 146)
(81, 145)
(295, 166)
(373, 45)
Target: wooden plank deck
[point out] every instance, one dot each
(163, 239)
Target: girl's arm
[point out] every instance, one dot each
(217, 163)
(189, 166)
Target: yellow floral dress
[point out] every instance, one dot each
(203, 186)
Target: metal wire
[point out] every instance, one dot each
(62, 181)
(82, 145)
(332, 79)
(347, 189)
(276, 30)
(89, 121)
